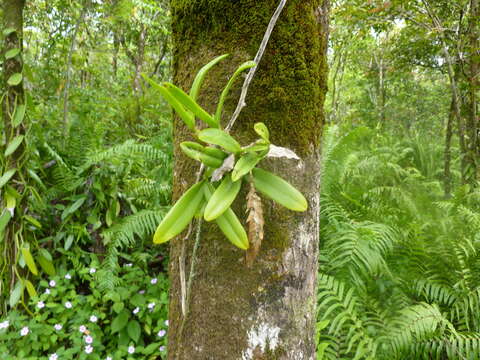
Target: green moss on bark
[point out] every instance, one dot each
(292, 85)
(287, 95)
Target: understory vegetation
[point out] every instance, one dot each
(399, 269)
(399, 262)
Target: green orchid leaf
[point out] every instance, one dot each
(278, 190)
(190, 104)
(220, 138)
(244, 165)
(187, 117)
(262, 131)
(180, 215)
(222, 198)
(197, 82)
(245, 66)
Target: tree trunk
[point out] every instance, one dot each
(472, 126)
(12, 100)
(447, 174)
(266, 311)
(116, 48)
(69, 69)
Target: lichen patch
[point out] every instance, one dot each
(261, 337)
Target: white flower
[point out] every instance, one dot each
(141, 292)
(93, 318)
(88, 339)
(88, 349)
(128, 265)
(153, 281)
(58, 327)
(166, 322)
(47, 291)
(40, 304)
(68, 276)
(4, 324)
(53, 356)
(151, 305)
(162, 348)
(92, 270)
(52, 283)
(25, 330)
(108, 358)
(131, 349)
(68, 305)
(136, 310)
(161, 333)
(82, 328)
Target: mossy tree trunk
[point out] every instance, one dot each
(13, 97)
(266, 311)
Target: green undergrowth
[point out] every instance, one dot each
(399, 262)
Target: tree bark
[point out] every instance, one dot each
(69, 69)
(12, 100)
(472, 121)
(266, 311)
(447, 174)
(116, 48)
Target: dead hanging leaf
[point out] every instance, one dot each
(281, 152)
(255, 225)
(226, 167)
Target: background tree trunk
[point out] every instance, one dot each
(266, 311)
(472, 126)
(68, 70)
(447, 174)
(13, 98)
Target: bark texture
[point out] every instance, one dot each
(266, 311)
(472, 121)
(13, 97)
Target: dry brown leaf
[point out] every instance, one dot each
(255, 223)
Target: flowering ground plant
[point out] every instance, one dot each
(71, 319)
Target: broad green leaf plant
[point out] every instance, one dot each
(227, 165)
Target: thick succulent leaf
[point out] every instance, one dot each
(222, 198)
(197, 82)
(208, 156)
(190, 104)
(220, 138)
(279, 190)
(180, 214)
(245, 66)
(262, 131)
(244, 165)
(187, 117)
(229, 223)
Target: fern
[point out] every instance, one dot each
(124, 235)
(400, 265)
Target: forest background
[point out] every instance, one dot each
(91, 145)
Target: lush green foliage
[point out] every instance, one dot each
(399, 267)
(94, 182)
(73, 319)
(399, 264)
